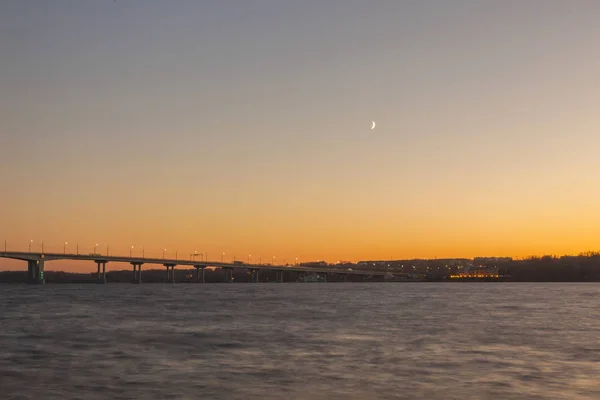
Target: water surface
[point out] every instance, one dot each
(300, 341)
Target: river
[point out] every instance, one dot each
(300, 341)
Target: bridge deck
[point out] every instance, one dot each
(166, 261)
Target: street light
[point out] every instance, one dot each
(164, 250)
(296, 261)
(273, 260)
(65, 248)
(95, 247)
(130, 251)
(249, 255)
(222, 254)
(30, 243)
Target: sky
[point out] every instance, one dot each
(243, 127)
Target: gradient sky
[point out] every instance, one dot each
(243, 127)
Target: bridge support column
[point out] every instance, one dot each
(137, 272)
(35, 272)
(101, 275)
(31, 270)
(170, 273)
(228, 274)
(253, 274)
(301, 276)
(40, 273)
(199, 273)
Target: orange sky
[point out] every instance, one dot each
(246, 130)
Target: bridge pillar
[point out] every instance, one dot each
(199, 273)
(254, 274)
(31, 270)
(35, 272)
(228, 274)
(300, 276)
(101, 275)
(170, 273)
(40, 273)
(137, 272)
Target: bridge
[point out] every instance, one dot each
(36, 263)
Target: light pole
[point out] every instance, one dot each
(5, 246)
(296, 261)
(249, 255)
(30, 243)
(77, 248)
(175, 254)
(143, 255)
(65, 248)
(222, 254)
(95, 248)
(42, 247)
(130, 252)
(164, 250)
(273, 260)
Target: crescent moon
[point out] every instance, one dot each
(373, 127)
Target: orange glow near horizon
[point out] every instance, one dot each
(420, 249)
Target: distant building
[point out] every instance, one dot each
(477, 272)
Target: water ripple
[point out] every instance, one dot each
(300, 341)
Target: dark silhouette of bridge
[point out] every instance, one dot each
(36, 263)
